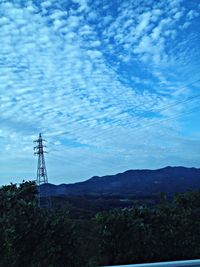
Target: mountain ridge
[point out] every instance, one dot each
(132, 182)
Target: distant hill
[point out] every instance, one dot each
(132, 182)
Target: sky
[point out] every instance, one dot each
(112, 85)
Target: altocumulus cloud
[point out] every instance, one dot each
(96, 77)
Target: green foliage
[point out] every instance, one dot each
(40, 238)
(124, 235)
(167, 232)
(35, 237)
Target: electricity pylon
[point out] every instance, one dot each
(42, 178)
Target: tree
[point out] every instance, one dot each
(36, 237)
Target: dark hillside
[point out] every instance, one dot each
(169, 180)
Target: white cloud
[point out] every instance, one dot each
(144, 21)
(192, 14)
(58, 76)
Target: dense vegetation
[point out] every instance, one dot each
(36, 237)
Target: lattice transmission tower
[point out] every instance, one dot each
(43, 197)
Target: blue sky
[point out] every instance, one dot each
(102, 81)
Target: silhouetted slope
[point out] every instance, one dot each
(135, 182)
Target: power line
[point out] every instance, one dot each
(138, 129)
(177, 103)
(172, 104)
(168, 107)
(168, 119)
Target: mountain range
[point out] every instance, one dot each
(169, 180)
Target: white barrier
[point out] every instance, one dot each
(191, 263)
